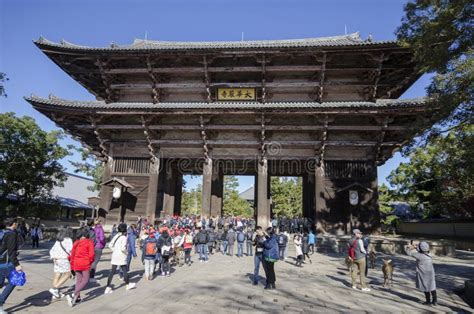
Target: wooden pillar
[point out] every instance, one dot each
(255, 197)
(178, 192)
(206, 188)
(217, 191)
(263, 209)
(320, 200)
(152, 190)
(309, 191)
(169, 191)
(106, 191)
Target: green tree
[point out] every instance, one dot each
(3, 79)
(439, 175)
(90, 166)
(233, 204)
(191, 201)
(287, 195)
(441, 35)
(29, 159)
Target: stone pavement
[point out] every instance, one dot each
(224, 286)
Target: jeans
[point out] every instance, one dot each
(112, 273)
(230, 249)
(97, 256)
(35, 241)
(4, 273)
(149, 267)
(224, 247)
(281, 252)
(203, 252)
(258, 259)
(187, 256)
(82, 278)
(240, 249)
(249, 248)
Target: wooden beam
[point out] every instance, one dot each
(105, 81)
(246, 127)
(207, 80)
(154, 91)
(322, 76)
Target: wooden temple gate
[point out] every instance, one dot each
(325, 109)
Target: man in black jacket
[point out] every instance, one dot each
(8, 257)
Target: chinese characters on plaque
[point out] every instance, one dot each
(236, 94)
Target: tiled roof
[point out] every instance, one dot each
(58, 103)
(146, 45)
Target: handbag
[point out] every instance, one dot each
(17, 278)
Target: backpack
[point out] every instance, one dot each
(351, 251)
(166, 250)
(150, 248)
(241, 237)
(202, 239)
(188, 239)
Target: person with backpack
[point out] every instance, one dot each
(224, 242)
(132, 235)
(81, 259)
(425, 273)
(9, 243)
(59, 253)
(249, 242)
(357, 253)
(150, 248)
(118, 245)
(188, 247)
(282, 243)
(98, 247)
(270, 257)
(298, 248)
(202, 238)
(36, 235)
(212, 240)
(165, 246)
(240, 242)
(231, 240)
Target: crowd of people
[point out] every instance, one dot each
(171, 241)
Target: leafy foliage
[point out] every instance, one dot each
(441, 34)
(90, 166)
(191, 201)
(3, 79)
(287, 196)
(233, 204)
(439, 175)
(29, 158)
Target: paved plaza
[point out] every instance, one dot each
(224, 286)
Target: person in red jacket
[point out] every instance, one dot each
(81, 259)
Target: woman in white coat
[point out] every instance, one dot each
(297, 240)
(118, 245)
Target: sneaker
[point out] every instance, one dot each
(108, 290)
(70, 300)
(206, 261)
(2, 311)
(54, 292)
(354, 287)
(255, 283)
(61, 295)
(434, 303)
(131, 286)
(365, 289)
(167, 274)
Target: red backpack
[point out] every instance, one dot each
(352, 249)
(150, 248)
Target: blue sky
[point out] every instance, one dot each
(100, 22)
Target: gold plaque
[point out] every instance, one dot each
(236, 94)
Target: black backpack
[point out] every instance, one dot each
(202, 237)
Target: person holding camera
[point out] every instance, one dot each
(270, 257)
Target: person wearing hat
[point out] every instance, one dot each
(425, 273)
(357, 245)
